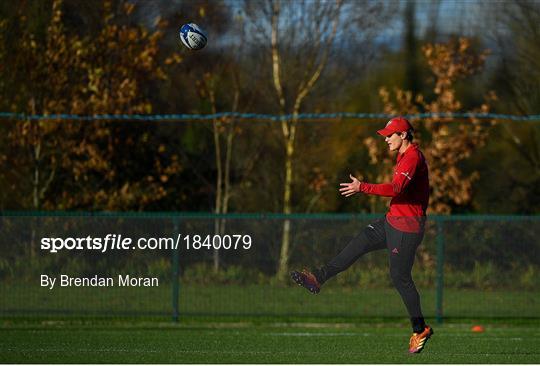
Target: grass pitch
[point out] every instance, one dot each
(249, 342)
(259, 324)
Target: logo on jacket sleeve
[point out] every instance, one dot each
(407, 175)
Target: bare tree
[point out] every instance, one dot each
(298, 39)
(225, 87)
(223, 128)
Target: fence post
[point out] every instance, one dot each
(175, 273)
(440, 270)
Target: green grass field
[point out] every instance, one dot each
(245, 342)
(259, 324)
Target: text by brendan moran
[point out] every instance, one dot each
(96, 281)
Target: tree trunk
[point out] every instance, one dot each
(289, 127)
(35, 199)
(219, 181)
(36, 154)
(227, 180)
(36, 159)
(287, 209)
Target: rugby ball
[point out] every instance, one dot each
(192, 36)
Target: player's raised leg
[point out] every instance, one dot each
(371, 238)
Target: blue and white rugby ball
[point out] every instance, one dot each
(192, 36)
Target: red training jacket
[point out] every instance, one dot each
(409, 191)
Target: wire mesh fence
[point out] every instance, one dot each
(167, 265)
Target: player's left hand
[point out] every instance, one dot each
(348, 189)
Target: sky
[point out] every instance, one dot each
(462, 17)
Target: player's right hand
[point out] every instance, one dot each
(348, 189)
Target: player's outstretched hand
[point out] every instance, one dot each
(348, 189)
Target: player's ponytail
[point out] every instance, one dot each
(410, 135)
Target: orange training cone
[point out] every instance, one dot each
(477, 329)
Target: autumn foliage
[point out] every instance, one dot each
(127, 63)
(446, 143)
(107, 73)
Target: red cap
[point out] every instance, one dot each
(398, 124)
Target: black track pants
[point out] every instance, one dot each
(401, 247)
